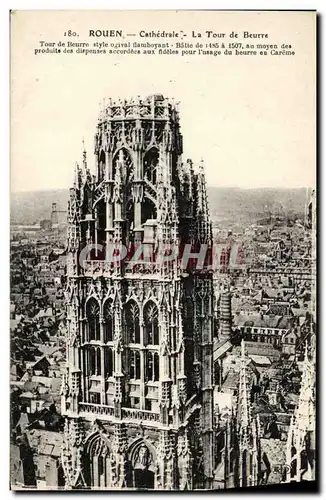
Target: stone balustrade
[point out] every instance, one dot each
(127, 413)
(96, 409)
(135, 414)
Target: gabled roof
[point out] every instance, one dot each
(299, 311)
(272, 293)
(28, 395)
(46, 442)
(232, 380)
(44, 313)
(220, 350)
(30, 386)
(48, 349)
(278, 309)
(262, 349)
(285, 323)
(260, 360)
(262, 321)
(34, 363)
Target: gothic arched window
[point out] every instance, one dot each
(122, 165)
(151, 328)
(142, 468)
(132, 322)
(108, 316)
(134, 365)
(93, 319)
(98, 466)
(151, 160)
(108, 362)
(148, 210)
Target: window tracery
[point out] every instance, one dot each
(98, 462)
(122, 155)
(93, 319)
(141, 468)
(151, 160)
(132, 322)
(151, 328)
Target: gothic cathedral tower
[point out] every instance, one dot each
(137, 392)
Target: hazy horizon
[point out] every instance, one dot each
(208, 186)
(224, 202)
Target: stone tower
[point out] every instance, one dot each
(54, 214)
(137, 392)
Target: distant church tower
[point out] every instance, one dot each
(137, 394)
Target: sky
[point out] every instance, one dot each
(252, 119)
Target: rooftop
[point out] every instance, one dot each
(46, 442)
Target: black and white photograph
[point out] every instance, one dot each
(163, 308)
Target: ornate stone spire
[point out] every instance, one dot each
(204, 230)
(167, 219)
(73, 219)
(302, 428)
(248, 431)
(243, 402)
(84, 156)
